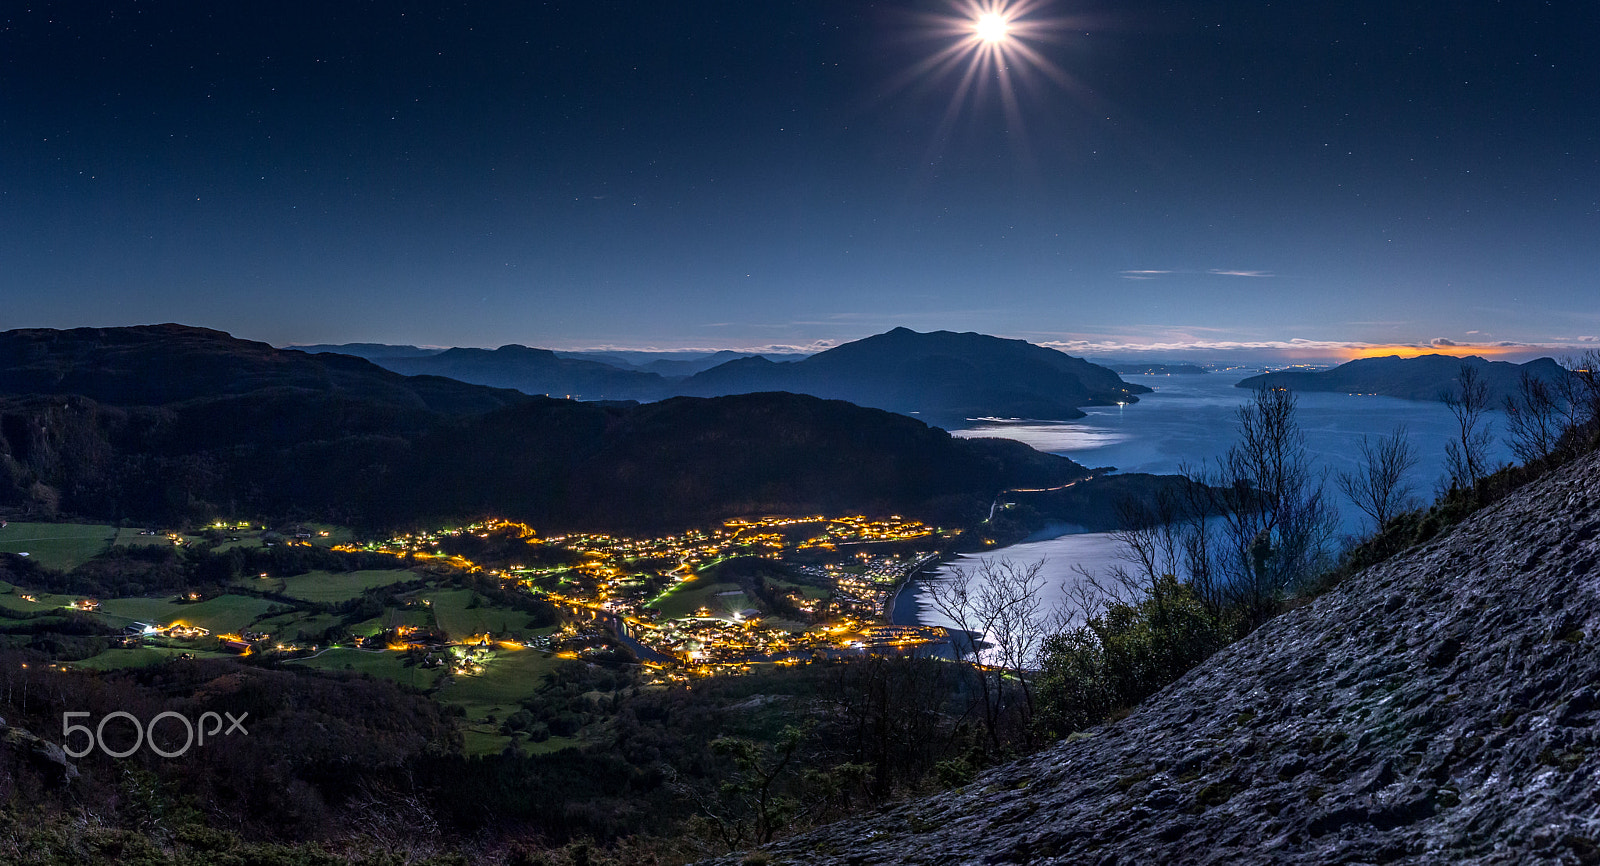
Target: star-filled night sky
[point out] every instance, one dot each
(759, 173)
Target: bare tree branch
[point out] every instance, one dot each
(1467, 455)
(1379, 486)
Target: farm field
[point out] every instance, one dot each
(140, 657)
(685, 598)
(225, 613)
(61, 546)
(453, 613)
(805, 589)
(299, 625)
(332, 587)
(11, 600)
(509, 678)
(378, 663)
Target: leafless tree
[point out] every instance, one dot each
(1537, 414)
(1167, 537)
(1277, 517)
(1238, 533)
(1467, 455)
(1378, 487)
(1584, 393)
(1000, 601)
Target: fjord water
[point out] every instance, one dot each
(1190, 420)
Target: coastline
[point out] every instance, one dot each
(894, 614)
(901, 610)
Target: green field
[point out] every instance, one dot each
(140, 657)
(336, 534)
(452, 613)
(11, 600)
(130, 536)
(225, 613)
(330, 587)
(683, 599)
(299, 625)
(61, 546)
(806, 589)
(420, 617)
(379, 663)
(508, 679)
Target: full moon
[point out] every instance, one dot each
(991, 27)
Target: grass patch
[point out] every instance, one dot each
(248, 542)
(421, 617)
(332, 587)
(336, 534)
(454, 614)
(382, 664)
(225, 613)
(508, 679)
(484, 738)
(683, 599)
(11, 599)
(140, 657)
(815, 593)
(60, 546)
(299, 625)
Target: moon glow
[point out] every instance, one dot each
(991, 27)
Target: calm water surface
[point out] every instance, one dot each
(1192, 420)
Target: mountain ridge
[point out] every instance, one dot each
(943, 377)
(1425, 377)
(235, 427)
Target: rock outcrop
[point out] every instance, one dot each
(1441, 707)
(46, 756)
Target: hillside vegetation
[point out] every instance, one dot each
(1437, 707)
(174, 424)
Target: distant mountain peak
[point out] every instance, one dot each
(1423, 377)
(945, 376)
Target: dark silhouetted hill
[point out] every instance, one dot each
(370, 351)
(943, 377)
(152, 365)
(1422, 378)
(168, 422)
(687, 461)
(673, 365)
(535, 371)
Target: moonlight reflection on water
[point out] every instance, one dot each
(1191, 420)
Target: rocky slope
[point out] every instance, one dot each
(1439, 708)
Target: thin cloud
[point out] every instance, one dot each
(1296, 347)
(1152, 273)
(763, 349)
(1202, 345)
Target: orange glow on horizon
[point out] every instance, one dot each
(1354, 353)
